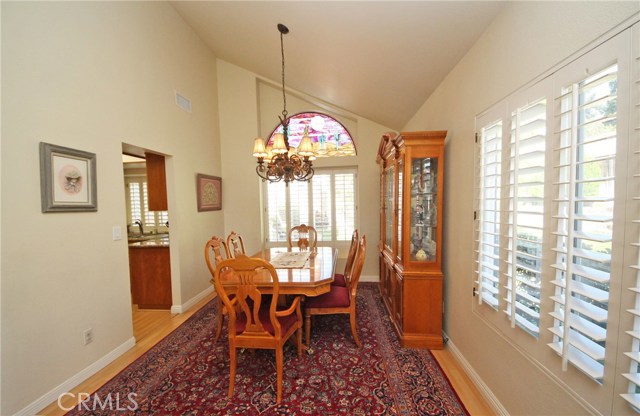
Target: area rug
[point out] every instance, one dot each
(187, 373)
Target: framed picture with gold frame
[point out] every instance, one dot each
(209, 191)
(67, 179)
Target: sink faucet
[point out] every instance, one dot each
(139, 224)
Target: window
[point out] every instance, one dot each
(328, 136)
(138, 204)
(552, 202)
(327, 202)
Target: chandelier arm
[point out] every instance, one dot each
(260, 169)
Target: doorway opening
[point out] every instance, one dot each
(148, 238)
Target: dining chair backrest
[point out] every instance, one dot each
(245, 274)
(351, 256)
(215, 251)
(235, 243)
(352, 283)
(303, 236)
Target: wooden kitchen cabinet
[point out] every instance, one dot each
(150, 274)
(156, 182)
(411, 192)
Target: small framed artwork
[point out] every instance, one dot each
(209, 190)
(67, 179)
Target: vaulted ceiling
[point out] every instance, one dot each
(378, 59)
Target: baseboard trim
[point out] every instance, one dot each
(177, 309)
(369, 278)
(69, 384)
(475, 378)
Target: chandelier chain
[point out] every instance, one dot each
(284, 96)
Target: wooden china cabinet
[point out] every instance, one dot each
(411, 190)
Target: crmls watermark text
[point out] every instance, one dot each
(111, 401)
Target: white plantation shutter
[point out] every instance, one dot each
(345, 205)
(633, 202)
(149, 217)
(322, 206)
(162, 217)
(488, 212)
(135, 200)
(299, 203)
(633, 396)
(327, 202)
(277, 218)
(526, 215)
(585, 172)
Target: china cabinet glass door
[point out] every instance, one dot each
(388, 207)
(423, 215)
(399, 231)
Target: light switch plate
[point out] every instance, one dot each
(117, 233)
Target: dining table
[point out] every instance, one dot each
(307, 273)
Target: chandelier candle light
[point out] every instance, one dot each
(282, 161)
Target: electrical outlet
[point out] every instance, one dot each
(87, 336)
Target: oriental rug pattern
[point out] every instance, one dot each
(187, 373)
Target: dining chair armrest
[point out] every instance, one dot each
(295, 305)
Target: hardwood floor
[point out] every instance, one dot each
(150, 326)
(467, 391)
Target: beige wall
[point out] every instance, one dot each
(91, 76)
(249, 107)
(527, 39)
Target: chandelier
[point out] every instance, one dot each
(281, 161)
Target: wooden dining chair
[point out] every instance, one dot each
(340, 279)
(235, 243)
(254, 322)
(214, 255)
(339, 300)
(304, 236)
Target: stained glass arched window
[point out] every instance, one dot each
(328, 135)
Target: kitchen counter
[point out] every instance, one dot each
(148, 241)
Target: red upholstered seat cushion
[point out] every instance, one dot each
(286, 322)
(337, 297)
(339, 280)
